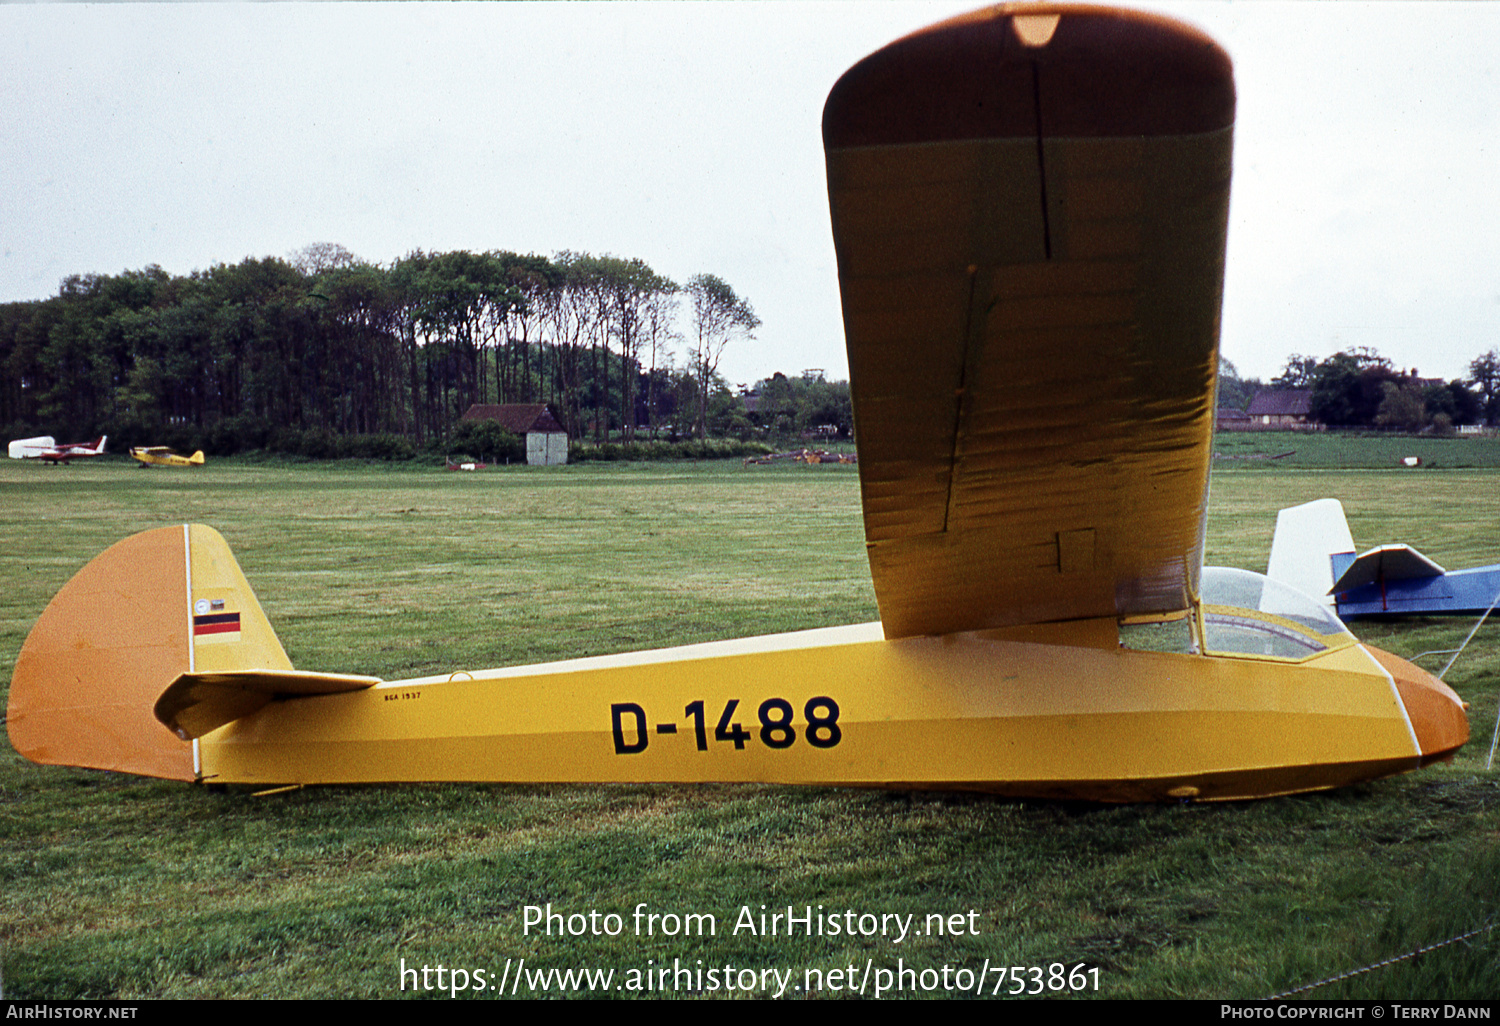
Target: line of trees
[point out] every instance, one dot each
(808, 406)
(1360, 388)
(287, 354)
(326, 344)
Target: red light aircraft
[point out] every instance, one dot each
(47, 450)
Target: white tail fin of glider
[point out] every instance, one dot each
(1309, 539)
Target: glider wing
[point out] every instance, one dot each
(1031, 276)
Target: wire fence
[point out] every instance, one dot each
(1486, 928)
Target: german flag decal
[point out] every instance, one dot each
(216, 623)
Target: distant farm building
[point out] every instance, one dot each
(546, 440)
(1281, 409)
(1231, 419)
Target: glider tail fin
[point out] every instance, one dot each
(1311, 548)
(148, 610)
(196, 459)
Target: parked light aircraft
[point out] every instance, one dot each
(161, 456)
(1029, 209)
(1313, 551)
(46, 448)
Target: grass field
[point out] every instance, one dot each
(114, 886)
(1294, 450)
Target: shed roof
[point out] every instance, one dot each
(518, 418)
(1285, 402)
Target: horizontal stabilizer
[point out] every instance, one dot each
(198, 703)
(1386, 563)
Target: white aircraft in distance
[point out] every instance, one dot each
(1029, 209)
(46, 449)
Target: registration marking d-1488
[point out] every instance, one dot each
(776, 727)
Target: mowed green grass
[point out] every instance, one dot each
(114, 886)
(1296, 450)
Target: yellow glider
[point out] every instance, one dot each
(1029, 212)
(161, 456)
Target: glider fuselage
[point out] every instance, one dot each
(1288, 702)
(844, 706)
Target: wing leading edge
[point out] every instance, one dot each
(1030, 241)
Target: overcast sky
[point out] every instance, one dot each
(1364, 211)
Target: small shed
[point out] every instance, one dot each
(546, 440)
(1283, 408)
(1230, 419)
